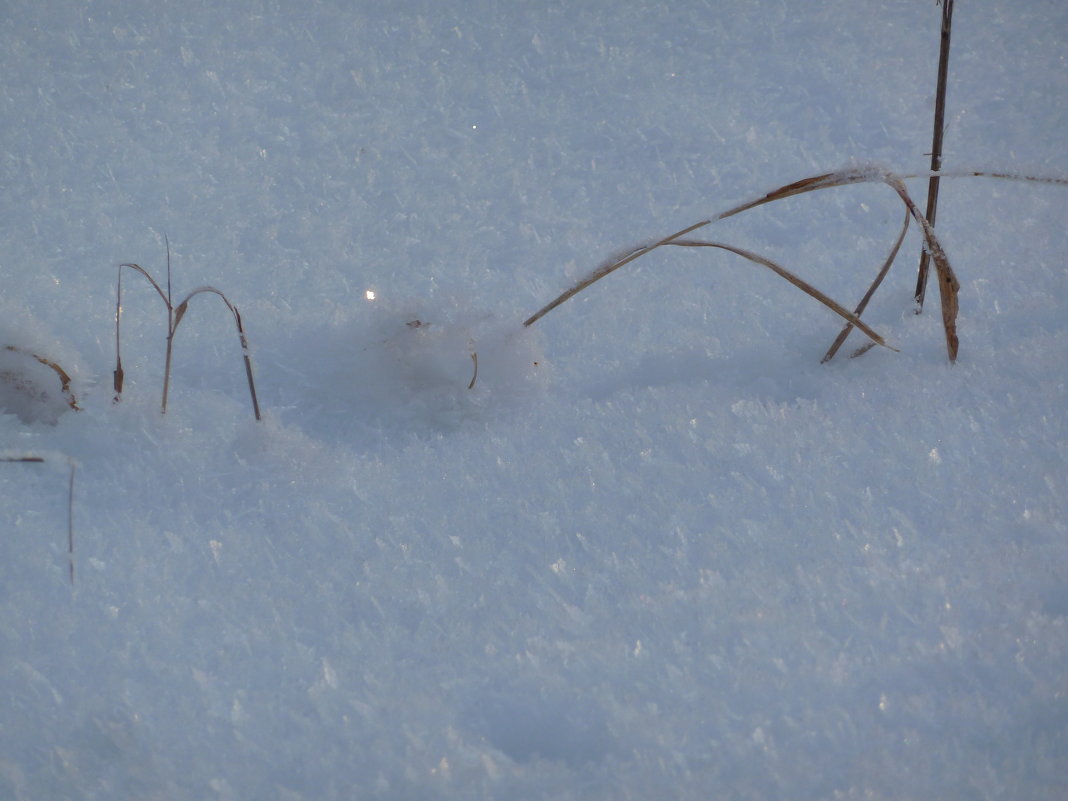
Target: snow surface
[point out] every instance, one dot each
(657, 550)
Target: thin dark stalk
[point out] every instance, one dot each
(70, 523)
(936, 143)
(118, 373)
(474, 374)
(70, 504)
(838, 342)
(179, 313)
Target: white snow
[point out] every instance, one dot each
(656, 550)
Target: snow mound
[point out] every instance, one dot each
(401, 368)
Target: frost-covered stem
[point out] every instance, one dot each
(936, 144)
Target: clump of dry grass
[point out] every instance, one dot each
(948, 284)
(18, 380)
(947, 280)
(37, 459)
(174, 318)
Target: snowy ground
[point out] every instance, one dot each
(658, 550)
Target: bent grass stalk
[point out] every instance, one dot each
(948, 283)
(33, 459)
(179, 313)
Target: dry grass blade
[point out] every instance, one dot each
(947, 280)
(607, 268)
(179, 313)
(64, 379)
(27, 459)
(948, 285)
(801, 284)
(838, 342)
(474, 374)
(826, 180)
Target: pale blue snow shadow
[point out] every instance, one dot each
(527, 723)
(400, 369)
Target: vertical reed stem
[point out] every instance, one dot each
(936, 144)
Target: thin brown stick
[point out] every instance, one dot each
(841, 338)
(936, 142)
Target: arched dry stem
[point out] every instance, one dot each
(179, 313)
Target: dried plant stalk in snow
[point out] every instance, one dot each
(947, 280)
(174, 317)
